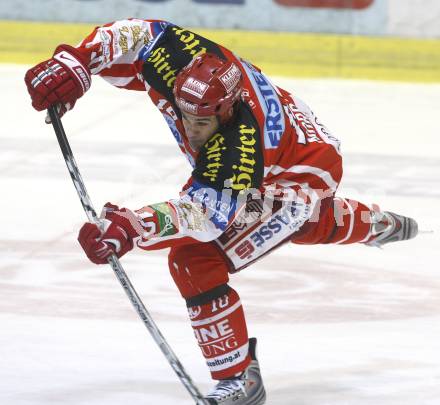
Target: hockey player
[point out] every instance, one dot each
(264, 172)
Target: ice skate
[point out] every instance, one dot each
(247, 389)
(390, 227)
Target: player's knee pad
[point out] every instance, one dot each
(197, 268)
(219, 325)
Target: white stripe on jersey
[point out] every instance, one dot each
(118, 81)
(322, 174)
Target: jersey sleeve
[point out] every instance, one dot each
(309, 170)
(115, 50)
(201, 213)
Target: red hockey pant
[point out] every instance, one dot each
(201, 273)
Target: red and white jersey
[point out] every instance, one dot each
(274, 146)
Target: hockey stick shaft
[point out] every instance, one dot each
(116, 265)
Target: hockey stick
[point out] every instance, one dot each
(116, 265)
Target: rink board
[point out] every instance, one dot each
(286, 54)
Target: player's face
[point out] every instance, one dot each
(199, 129)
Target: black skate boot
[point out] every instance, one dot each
(247, 389)
(389, 227)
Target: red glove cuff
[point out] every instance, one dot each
(76, 62)
(124, 217)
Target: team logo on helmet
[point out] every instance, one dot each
(187, 106)
(231, 78)
(195, 87)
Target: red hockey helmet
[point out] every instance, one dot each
(208, 86)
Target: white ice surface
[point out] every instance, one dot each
(337, 325)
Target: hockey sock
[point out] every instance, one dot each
(219, 325)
